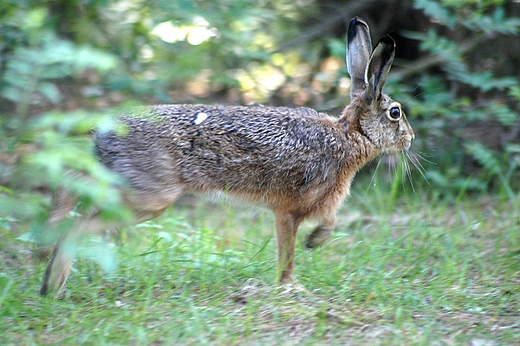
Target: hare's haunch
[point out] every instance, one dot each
(297, 162)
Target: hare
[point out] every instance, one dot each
(297, 162)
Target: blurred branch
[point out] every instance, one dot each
(423, 64)
(343, 13)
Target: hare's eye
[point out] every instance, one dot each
(394, 114)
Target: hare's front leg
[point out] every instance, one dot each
(286, 228)
(321, 233)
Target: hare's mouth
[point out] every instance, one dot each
(399, 147)
(407, 142)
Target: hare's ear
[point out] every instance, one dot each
(379, 66)
(359, 47)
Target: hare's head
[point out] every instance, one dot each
(377, 116)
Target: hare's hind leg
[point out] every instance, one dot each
(321, 233)
(62, 203)
(286, 229)
(145, 206)
(58, 268)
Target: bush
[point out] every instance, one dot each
(38, 148)
(465, 99)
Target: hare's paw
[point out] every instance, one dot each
(319, 236)
(57, 273)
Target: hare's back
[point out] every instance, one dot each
(228, 148)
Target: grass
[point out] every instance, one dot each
(408, 271)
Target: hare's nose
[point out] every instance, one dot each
(411, 134)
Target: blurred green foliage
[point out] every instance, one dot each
(467, 102)
(68, 66)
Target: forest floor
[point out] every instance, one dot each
(414, 271)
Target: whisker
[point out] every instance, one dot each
(414, 159)
(403, 164)
(374, 174)
(417, 87)
(392, 166)
(424, 159)
(411, 97)
(417, 163)
(419, 94)
(408, 170)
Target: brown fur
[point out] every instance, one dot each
(297, 162)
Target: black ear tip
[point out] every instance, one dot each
(387, 40)
(354, 22)
(352, 28)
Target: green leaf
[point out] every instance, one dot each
(514, 91)
(12, 93)
(6, 190)
(437, 11)
(28, 237)
(484, 156)
(503, 113)
(51, 92)
(35, 18)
